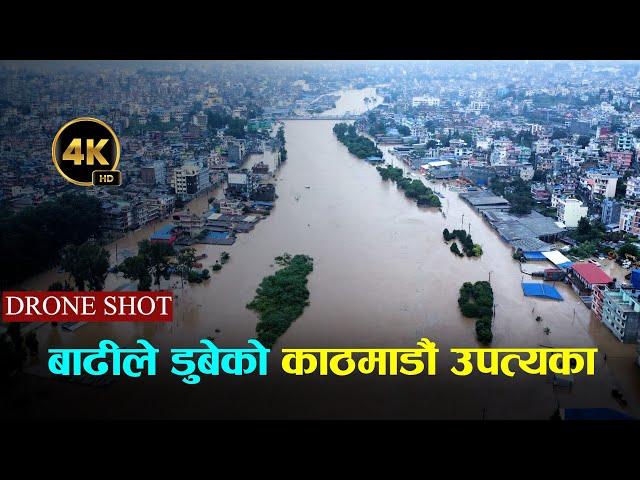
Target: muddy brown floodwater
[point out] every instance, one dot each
(383, 277)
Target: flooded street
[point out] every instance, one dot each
(383, 277)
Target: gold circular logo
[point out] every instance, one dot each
(86, 152)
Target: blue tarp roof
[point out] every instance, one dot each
(541, 290)
(564, 265)
(163, 233)
(218, 234)
(534, 256)
(263, 203)
(165, 228)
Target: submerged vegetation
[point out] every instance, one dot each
(360, 146)
(281, 297)
(476, 301)
(470, 249)
(414, 189)
(32, 239)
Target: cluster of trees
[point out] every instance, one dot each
(31, 240)
(525, 138)
(281, 298)
(470, 249)
(217, 118)
(88, 265)
(559, 133)
(358, 145)
(585, 249)
(476, 301)
(629, 249)
(236, 127)
(224, 258)
(150, 264)
(587, 231)
(517, 192)
(413, 189)
(281, 139)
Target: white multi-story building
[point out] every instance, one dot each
(570, 211)
(625, 142)
(478, 106)
(603, 184)
(191, 179)
(200, 120)
(630, 220)
(527, 172)
(536, 129)
(426, 100)
(633, 187)
(543, 146)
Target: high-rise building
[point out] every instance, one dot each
(155, 174)
(621, 313)
(602, 184)
(570, 211)
(191, 179)
(610, 212)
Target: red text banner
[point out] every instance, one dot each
(87, 306)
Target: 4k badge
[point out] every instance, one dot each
(86, 150)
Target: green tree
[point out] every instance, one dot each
(584, 227)
(32, 239)
(156, 255)
(186, 261)
(629, 249)
(137, 268)
(88, 265)
(236, 128)
(583, 140)
(404, 130)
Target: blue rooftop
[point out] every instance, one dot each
(541, 290)
(163, 233)
(218, 235)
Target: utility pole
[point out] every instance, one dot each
(462, 225)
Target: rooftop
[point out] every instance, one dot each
(591, 273)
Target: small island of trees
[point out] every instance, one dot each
(470, 249)
(476, 301)
(281, 297)
(414, 189)
(360, 146)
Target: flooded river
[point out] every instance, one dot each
(383, 277)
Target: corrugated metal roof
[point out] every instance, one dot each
(591, 273)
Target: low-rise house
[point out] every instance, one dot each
(585, 276)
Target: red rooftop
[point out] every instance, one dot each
(591, 274)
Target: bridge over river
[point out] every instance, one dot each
(318, 117)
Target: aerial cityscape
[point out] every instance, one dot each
(333, 204)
